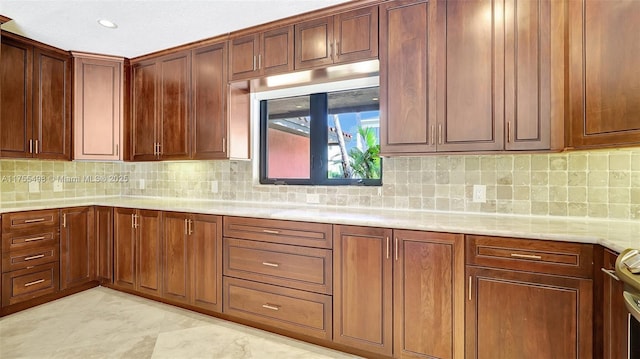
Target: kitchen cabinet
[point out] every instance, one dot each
(138, 250)
(30, 255)
(77, 247)
(265, 53)
(394, 289)
(345, 37)
(554, 279)
(104, 243)
(98, 107)
(208, 101)
(160, 123)
(614, 313)
(36, 101)
(192, 259)
(604, 101)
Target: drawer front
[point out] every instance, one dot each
(22, 241)
(29, 258)
(31, 220)
(289, 309)
(25, 284)
(288, 266)
(561, 258)
(284, 232)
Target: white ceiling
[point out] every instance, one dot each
(144, 26)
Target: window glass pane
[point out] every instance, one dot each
(353, 134)
(288, 141)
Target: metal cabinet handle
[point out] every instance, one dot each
(470, 283)
(34, 257)
(526, 256)
(508, 131)
(37, 147)
(259, 61)
(64, 220)
(35, 220)
(396, 249)
(433, 135)
(34, 282)
(611, 273)
(270, 231)
(269, 264)
(440, 134)
(31, 146)
(34, 239)
(186, 226)
(387, 247)
(189, 227)
(271, 306)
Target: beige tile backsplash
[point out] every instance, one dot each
(601, 184)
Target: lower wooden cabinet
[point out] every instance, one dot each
(192, 259)
(77, 247)
(104, 243)
(138, 250)
(29, 283)
(614, 313)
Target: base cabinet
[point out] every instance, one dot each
(77, 247)
(104, 243)
(614, 313)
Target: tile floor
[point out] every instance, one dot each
(104, 323)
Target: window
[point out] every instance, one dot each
(330, 138)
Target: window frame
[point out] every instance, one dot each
(319, 167)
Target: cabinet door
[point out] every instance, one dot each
(614, 313)
(528, 74)
(314, 43)
(175, 259)
(407, 77)
(428, 295)
(243, 54)
(15, 68)
(205, 260)
(97, 107)
(124, 265)
(173, 117)
(470, 81)
(604, 95)
(144, 132)
(52, 105)
(356, 35)
(104, 243)
(276, 51)
(149, 252)
(209, 89)
(362, 288)
(77, 247)
(526, 315)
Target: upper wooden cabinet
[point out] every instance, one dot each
(98, 107)
(604, 95)
(36, 100)
(346, 37)
(266, 53)
(160, 95)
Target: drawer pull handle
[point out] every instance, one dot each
(526, 256)
(35, 220)
(270, 231)
(33, 257)
(271, 306)
(611, 273)
(269, 264)
(34, 239)
(34, 282)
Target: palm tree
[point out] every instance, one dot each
(366, 163)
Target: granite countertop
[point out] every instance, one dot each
(616, 235)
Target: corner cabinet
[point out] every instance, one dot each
(36, 100)
(394, 289)
(98, 107)
(604, 95)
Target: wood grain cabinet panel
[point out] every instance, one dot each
(77, 247)
(265, 53)
(25, 284)
(317, 235)
(104, 243)
(604, 94)
(144, 132)
(614, 331)
(98, 107)
(124, 243)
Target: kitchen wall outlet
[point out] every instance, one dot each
(214, 186)
(57, 186)
(34, 187)
(379, 191)
(141, 184)
(313, 198)
(479, 193)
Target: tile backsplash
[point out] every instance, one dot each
(599, 183)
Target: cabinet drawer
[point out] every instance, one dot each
(25, 284)
(22, 241)
(289, 309)
(288, 266)
(285, 232)
(31, 220)
(561, 258)
(29, 258)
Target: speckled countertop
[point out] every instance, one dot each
(613, 234)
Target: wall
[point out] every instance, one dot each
(601, 184)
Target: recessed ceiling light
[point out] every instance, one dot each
(108, 24)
